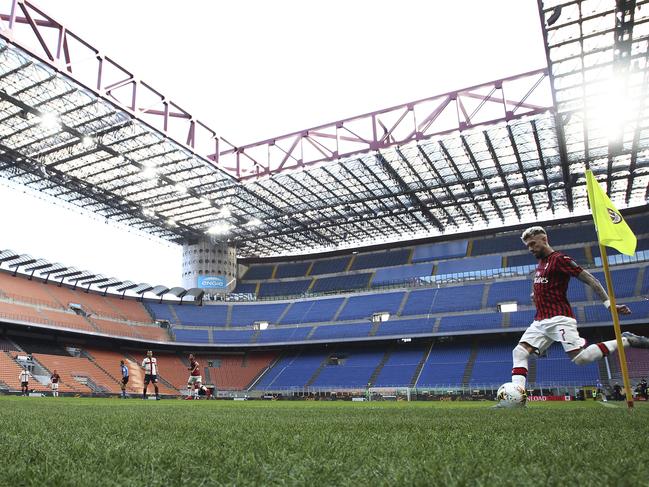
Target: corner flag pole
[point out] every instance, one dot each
(616, 326)
(613, 231)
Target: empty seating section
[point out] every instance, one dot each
(523, 260)
(400, 367)
(599, 314)
(258, 272)
(482, 321)
(469, 264)
(227, 336)
(644, 289)
(172, 369)
(521, 319)
(70, 367)
(496, 245)
(135, 331)
(328, 332)
(286, 334)
(406, 327)
(438, 251)
(245, 288)
(445, 365)
(313, 311)
(98, 305)
(455, 298)
(21, 313)
(624, 281)
(192, 336)
(109, 362)
(492, 365)
(161, 311)
(22, 289)
(236, 372)
(329, 266)
(364, 306)
(381, 259)
(212, 315)
(557, 368)
(342, 283)
(504, 291)
(247, 314)
(293, 269)
(572, 234)
(284, 288)
(354, 370)
(637, 360)
(9, 371)
(395, 275)
(292, 371)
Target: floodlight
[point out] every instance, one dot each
(149, 173)
(181, 188)
(611, 107)
(225, 212)
(49, 120)
(87, 142)
(255, 222)
(219, 228)
(205, 201)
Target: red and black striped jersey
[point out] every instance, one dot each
(551, 285)
(194, 368)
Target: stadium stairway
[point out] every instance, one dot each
(263, 371)
(406, 295)
(173, 313)
(379, 367)
(340, 309)
(420, 366)
(88, 355)
(317, 372)
(468, 370)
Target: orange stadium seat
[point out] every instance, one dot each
(108, 361)
(67, 319)
(91, 302)
(21, 312)
(9, 371)
(124, 329)
(22, 289)
(130, 309)
(236, 372)
(69, 367)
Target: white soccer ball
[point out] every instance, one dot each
(511, 395)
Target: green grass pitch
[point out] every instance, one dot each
(66, 441)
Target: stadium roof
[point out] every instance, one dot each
(76, 125)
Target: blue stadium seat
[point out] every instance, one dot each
(521, 319)
(329, 266)
(312, 311)
(399, 370)
(493, 364)
(245, 287)
(469, 264)
(288, 334)
(405, 273)
(441, 250)
(258, 272)
(455, 298)
(192, 336)
(285, 288)
(624, 281)
(293, 269)
(292, 371)
(381, 259)
(342, 283)
(354, 371)
(364, 306)
(557, 368)
(247, 314)
(234, 336)
(483, 321)
(354, 330)
(518, 290)
(160, 311)
(210, 315)
(406, 327)
(445, 365)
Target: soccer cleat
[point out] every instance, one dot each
(636, 341)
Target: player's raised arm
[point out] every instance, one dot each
(590, 280)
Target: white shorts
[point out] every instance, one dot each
(541, 334)
(55, 386)
(193, 379)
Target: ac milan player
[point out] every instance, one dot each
(195, 379)
(150, 366)
(54, 382)
(554, 320)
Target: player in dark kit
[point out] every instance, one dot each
(195, 378)
(54, 381)
(554, 320)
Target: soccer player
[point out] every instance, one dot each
(150, 366)
(554, 320)
(195, 378)
(23, 377)
(124, 370)
(54, 383)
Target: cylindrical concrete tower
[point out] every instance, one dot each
(209, 265)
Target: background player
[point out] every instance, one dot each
(54, 383)
(124, 370)
(554, 320)
(195, 378)
(150, 366)
(23, 377)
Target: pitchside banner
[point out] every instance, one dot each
(212, 282)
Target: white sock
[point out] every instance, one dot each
(596, 351)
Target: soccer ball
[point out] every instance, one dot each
(511, 395)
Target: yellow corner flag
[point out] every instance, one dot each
(612, 230)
